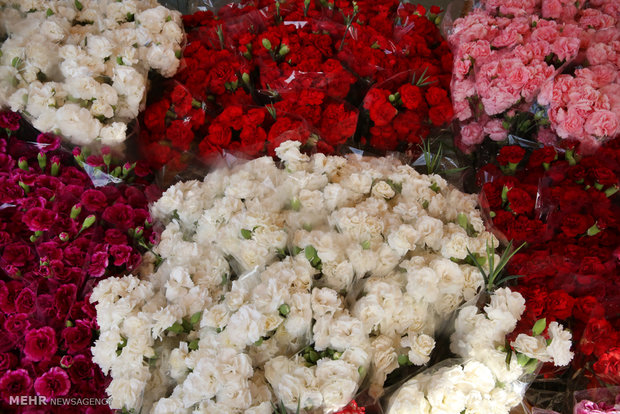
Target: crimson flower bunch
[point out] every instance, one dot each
(566, 208)
(62, 228)
(302, 60)
(400, 107)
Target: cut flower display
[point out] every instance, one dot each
(80, 68)
(488, 378)
(62, 228)
(294, 284)
(309, 59)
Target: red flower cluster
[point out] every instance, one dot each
(58, 235)
(400, 108)
(567, 210)
(305, 61)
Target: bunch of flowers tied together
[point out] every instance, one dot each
(566, 209)
(80, 67)
(263, 72)
(538, 68)
(486, 379)
(289, 285)
(58, 236)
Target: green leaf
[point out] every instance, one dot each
(366, 244)
(246, 234)
(193, 345)
(49, 12)
(78, 5)
(119, 60)
(539, 326)
(176, 328)
(434, 187)
(296, 250)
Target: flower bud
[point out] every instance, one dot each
(42, 158)
(284, 49)
(66, 361)
(266, 44)
(107, 156)
(55, 169)
(64, 236)
(75, 211)
(88, 221)
(22, 163)
(245, 78)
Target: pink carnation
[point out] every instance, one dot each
(602, 124)
(551, 9)
(495, 130)
(472, 134)
(565, 48)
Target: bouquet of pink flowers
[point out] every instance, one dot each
(532, 68)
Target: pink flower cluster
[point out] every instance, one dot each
(58, 235)
(511, 54)
(586, 105)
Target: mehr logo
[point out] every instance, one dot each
(27, 400)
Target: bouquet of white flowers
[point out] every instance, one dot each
(488, 378)
(80, 67)
(289, 284)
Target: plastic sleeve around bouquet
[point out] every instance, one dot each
(596, 400)
(456, 386)
(86, 91)
(62, 229)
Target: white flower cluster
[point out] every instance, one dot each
(79, 67)
(289, 285)
(488, 381)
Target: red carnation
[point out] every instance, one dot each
(441, 114)
(39, 219)
(520, 201)
(512, 154)
(411, 96)
(94, 200)
(608, 366)
(40, 344)
(15, 383)
(436, 96)
(576, 224)
(78, 337)
(180, 133)
(544, 155)
(54, 383)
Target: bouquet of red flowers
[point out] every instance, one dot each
(62, 228)
(566, 208)
(311, 62)
(400, 107)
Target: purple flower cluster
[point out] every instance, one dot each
(59, 234)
